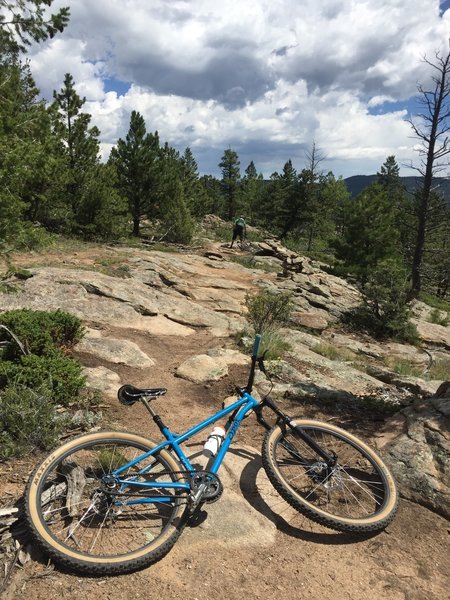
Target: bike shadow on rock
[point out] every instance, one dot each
(262, 496)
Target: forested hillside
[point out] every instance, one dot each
(53, 183)
(357, 183)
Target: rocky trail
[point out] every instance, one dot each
(170, 322)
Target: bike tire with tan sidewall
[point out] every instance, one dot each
(382, 515)
(82, 562)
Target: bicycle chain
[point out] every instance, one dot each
(187, 475)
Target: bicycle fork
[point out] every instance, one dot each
(284, 421)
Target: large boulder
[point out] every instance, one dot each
(420, 455)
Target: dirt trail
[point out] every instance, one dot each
(408, 561)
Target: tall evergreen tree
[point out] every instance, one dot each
(22, 21)
(288, 199)
(321, 224)
(102, 212)
(389, 176)
(137, 160)
(29, 162)
(194, 193)
(230, 181)
(214, 201)
(389, 179)
(78, 141)
(175, 215)
(67, 106)
(370, 234)
(251, 193)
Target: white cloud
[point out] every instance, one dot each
(264, 76)
(379, 101)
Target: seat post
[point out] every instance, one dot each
(146, 403)
(156, 418)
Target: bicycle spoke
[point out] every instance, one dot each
(350, 487)
(78, 510)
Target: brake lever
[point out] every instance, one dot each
(261, 366)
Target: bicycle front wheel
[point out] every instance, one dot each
(356, 493)
(88, 521)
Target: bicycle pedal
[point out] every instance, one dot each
(198, 517)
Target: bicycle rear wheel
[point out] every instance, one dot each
(357, 493)
(93, 525)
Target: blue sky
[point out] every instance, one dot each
(267, 78)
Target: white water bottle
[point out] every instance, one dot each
(214, 441)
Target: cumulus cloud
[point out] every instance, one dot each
(266, 77)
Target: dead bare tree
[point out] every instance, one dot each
(431, 126)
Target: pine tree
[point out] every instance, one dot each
(389, 179)
(389, 176)
(369, 234)
(78, 141)
(138, 163)
(288, 199)
(230, 181)
(176, 218)
(214, 202)
(22, 21)
(313, 210)
(102, 212)
(321, 224)
(194, 192)
(436, 256)
(29, 162)
(251, 193)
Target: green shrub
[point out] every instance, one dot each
(251, 262)
(362, 319)
(434, 301)
(33, 385)
(333, 352)
(114, 267)
(440, 370)
(28, 420)
(273, 344)
(61, 375)
(404, 367)
(17, 272)
(30, 237)
(437, 317)
(385, 295)
(385, 311)
(40, 332)
(268, 310)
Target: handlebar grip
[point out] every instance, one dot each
(256, 346)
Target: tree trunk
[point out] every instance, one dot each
(435, 105)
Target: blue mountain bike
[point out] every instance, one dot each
(108, 502)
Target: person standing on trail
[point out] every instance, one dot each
(239, 230)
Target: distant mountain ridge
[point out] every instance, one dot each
(357, 183)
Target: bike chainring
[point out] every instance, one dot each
(213, 487)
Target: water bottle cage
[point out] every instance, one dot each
(217, 438)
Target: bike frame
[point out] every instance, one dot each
(237, 411)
